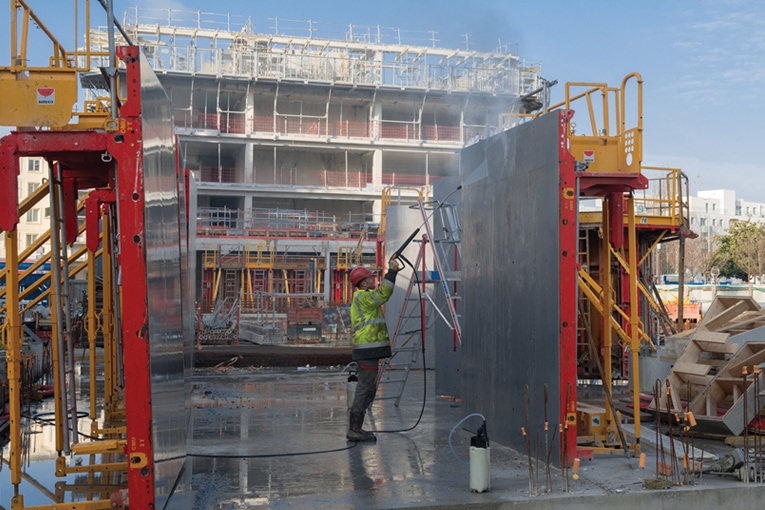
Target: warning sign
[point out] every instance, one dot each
(46, 95)
(589, 156)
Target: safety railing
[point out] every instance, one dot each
(286, 125)
(666, 196)
(311, 178)
(283, 223)
(230, 123)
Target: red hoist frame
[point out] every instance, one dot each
(85, 160)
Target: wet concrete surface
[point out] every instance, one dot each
(275, 438)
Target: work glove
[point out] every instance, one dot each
(395, 265)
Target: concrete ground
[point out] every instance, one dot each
(275, 438)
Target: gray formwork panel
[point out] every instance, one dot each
(448, 358)
(401, 222)
(511, 280)
(167, 287)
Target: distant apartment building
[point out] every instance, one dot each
(33, 173)
(713, 211)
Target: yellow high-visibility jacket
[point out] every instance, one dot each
(370, 338)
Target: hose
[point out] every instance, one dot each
(455, 428)
(424, 368)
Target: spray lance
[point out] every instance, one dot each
(398, 253)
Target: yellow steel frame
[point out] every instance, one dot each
(613, 150)
(387, 198)
(670, 203)
(11, 335)
(610, 150)
(594, 294)
(13, 338)
(262, 258)
(663, 204)
(44, 96)
(210, 257)
(343, 257)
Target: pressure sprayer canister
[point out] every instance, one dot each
(480, 461)
(350, 388)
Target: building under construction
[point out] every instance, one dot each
(293, 137)
(217, 173)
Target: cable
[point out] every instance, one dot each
(270, 455)
(397, 253)
(424, 368)
(441, 204)
(47, 421)
(38, 418)
(455, 428)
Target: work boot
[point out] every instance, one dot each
(354, 429)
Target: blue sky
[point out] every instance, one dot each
(702, 61)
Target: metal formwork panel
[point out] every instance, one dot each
(153, 297)
(519, 280)
(165, 282)
(448, 355)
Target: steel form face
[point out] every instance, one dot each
(519, 281)
(448, 350)
(155, 312)
(152, 286)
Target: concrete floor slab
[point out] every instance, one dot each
(275, 438)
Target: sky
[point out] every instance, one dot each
(702, 61)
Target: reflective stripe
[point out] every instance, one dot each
(359, 309)
(376, 345)
(371, 321)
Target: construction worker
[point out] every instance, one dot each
(370, 340)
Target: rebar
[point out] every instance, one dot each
(526, 434)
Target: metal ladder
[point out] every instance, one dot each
(65, 378)
(413, 320)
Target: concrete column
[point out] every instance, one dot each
(377, 211)
(327, 271)
(375, 118)
(249, 164)
(249, 110)
(377, 168)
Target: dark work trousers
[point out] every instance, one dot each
(366, 387)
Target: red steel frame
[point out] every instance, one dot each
(127, 148)
(84, 162)
(572, 184)
(567, 259)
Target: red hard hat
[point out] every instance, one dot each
(358, 274)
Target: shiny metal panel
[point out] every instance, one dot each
(448, 358)
(400, 223)
(510, 279)
(167, 285)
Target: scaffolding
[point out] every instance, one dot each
(197, 42)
